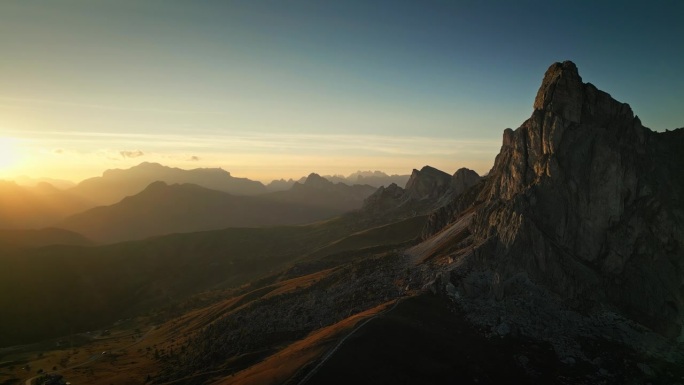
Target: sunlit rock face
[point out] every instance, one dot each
(585, 200)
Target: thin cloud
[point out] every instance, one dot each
(194, 158)
(241, 143)
(131, 154)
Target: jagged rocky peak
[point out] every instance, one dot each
(562, 93)
(429, 182)
(566, 113)
(586, 201)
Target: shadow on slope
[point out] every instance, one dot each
(69, 288)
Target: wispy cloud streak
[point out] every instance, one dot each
(237, 143)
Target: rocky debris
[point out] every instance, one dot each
(268, 321)
(579, 222)
(529, 310)
(503, 329)
(646, 369)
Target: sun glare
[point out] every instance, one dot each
(8, 153)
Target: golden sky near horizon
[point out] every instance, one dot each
(256, 156)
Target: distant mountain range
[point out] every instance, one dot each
(317, 191)
(84, 207)
(164, 209)
(371, 178)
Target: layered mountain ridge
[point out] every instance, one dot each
(181, 208)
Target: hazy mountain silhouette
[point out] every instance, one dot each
(280, 185)
(317, 191)
(371, 178)
(58, 183)
(164, 209)
(117, 184)
(24, 207)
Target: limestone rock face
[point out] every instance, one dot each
(588, 202)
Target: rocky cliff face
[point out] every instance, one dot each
(586, 201)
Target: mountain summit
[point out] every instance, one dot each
(582, 200)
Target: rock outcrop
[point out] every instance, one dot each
(586, 201)
(463, 179)
(428, 183)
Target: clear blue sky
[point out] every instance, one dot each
(281, 88)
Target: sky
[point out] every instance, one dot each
(279, 89)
